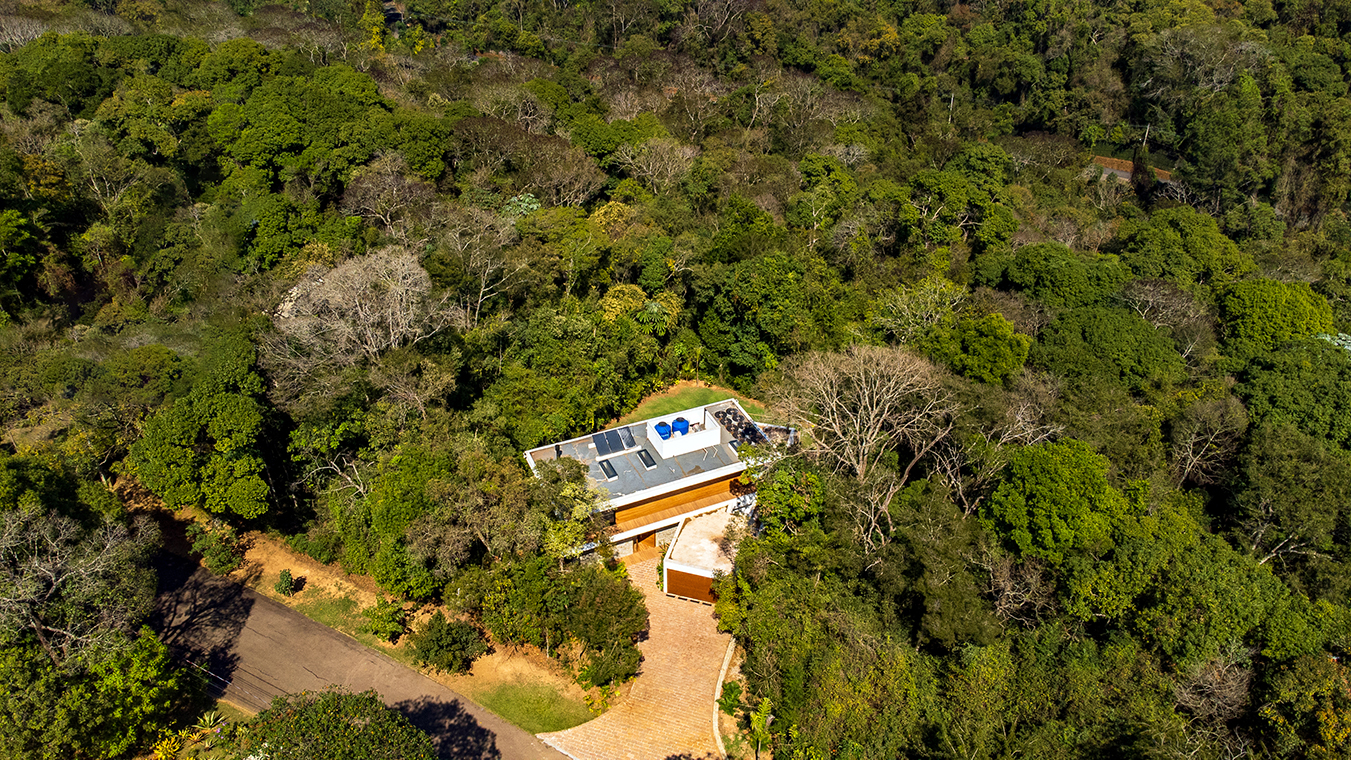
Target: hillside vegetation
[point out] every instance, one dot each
(1076, 479)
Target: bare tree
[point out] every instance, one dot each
(76, 590)
(415, 381)
(908, 312)
(1216, 693)
(1206, 437)
(969, 464)
(859, 406)
(764, 96)
(352, 314)
(512, 103)
(695, 101)
(1022, 592)
(108, 176)
(30, 134)
(1220, 688)
(17, 31)
(386, 191)
(559, 173)
(479, 239)
(659, 162)
(709, 22)
(1167, 306)
(1271, 536)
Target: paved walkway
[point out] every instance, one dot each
(263, 649)
(669, 712)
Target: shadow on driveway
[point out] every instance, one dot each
(252, 649)
(453, 730)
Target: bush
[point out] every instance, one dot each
(387, 620)
(286, 585)
(730, 700)
(218, 545)
(532, 603)
(615, 663)
(331, 724)
(321, 544)
(449, 645)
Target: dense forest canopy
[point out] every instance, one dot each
(1076, 472)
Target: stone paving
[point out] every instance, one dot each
(669, 712)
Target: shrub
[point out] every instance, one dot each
(614, 663)
(320, 543)
(731, 697)
(218, 545)
(449, 645)
(286, 585)
(387, 620)
(531, 603)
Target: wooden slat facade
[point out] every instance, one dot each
(673, 504)
(689, 585)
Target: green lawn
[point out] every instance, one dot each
(342, 613)
(535, 707)
(688, 398)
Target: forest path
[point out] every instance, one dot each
(669, 714)
(263, 649)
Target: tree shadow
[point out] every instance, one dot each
(199, 617)
(454, 732)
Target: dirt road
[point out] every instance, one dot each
(253, 649)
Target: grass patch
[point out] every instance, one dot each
(232, 713)
(343, 613)
(535, 707)
(340, 612)
(688, 398)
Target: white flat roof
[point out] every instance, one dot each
(628, 464)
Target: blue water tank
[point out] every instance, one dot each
(681, 425)
(664, 431)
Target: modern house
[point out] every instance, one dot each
(663, 471)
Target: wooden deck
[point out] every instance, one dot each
(642, 555)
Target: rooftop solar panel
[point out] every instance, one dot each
(627, 438)
(612, 438)
(608, 469)
(602, 444)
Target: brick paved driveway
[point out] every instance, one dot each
(669, 712)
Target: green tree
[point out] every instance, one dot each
(1308, 709)
(449, 645)
(1292, 498)
(1055, 500)
(978, 692)
(789, 496)
(207, 449)
(109, 705)
(1206, 598)
(1054, 275)
(1184, 246)
(1306, 384)
(986, 348)
(1260, 315)
(1109, 344)
(333, 724)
